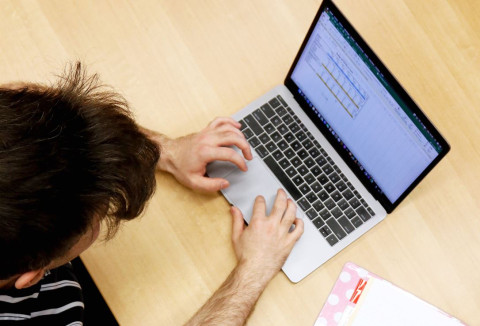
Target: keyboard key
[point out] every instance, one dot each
(247, 132)
(297, 180)
(289, 137)
(289, 153)
(323, 195)
(291, 172)
(264, 138)
(310, 179)
(300, 135)
(362, 212)
(272, 147)
(254, 142)
(282, 145)
(323, 179)
(262, 151)
(316, 170)
(281, 111)
(329, 203)
(325, 214)
(343, 204)
(331, 240)
(295, 145)
(309, 162)
(336, 228)
(276, 137)
(336, 195)
(325, 230)
(278, 155)
(294, 127)
(289, 186)
(269, 128)
(260, 117)
(267, 110)
(355, 203)
(307, 144)
(334, 177)
(253, 124)
(341, 186)
(329, 187)
(347, 194)
(321, 160)
(284, 163)
(370, 211)
(304, 188)
(243, 125)
(311, 214)
(356, 222)
(318, 205)
(327, 168)
(318, 223)
(302, 169)
(274, 102)
(311, 197)
(350, 213)
(314, 152)
(336, 212)
(276, 121)
(287, 119)
(302, 153)
(304, 204)
(296, 161)
(282, 100)
(283, 129)
(345, 223)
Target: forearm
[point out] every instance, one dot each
(233, 302)
(164, 144)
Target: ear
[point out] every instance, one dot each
(29, 278)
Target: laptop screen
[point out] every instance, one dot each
(384, 135)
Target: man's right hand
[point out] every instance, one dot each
(265, 244)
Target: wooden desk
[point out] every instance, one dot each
(181, 63)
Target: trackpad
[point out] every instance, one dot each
(246, 186)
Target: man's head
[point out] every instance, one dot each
(71, 156)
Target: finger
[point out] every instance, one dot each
(228, 128)
(224, 120)
(297, 231)
(259, 207)
(279, 205)
(208, 184)
(226, 154)
(229, 139)
(289, 215)
(237, 223)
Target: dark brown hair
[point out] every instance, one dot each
(68, 152)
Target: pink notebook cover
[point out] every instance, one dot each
(345, 295)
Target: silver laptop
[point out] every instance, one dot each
(341, 136)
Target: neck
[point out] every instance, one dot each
(8, 283)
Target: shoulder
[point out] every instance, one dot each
(56, 300)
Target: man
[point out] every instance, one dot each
(72, 159)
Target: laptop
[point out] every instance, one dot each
(340, 136)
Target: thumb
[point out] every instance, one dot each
(209, 184)
(237, 224)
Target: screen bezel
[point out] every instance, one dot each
(291, 85)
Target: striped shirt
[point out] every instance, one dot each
(55, 300)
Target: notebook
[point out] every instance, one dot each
(360, 298)
(341, 136)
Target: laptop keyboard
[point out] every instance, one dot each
(304, 168)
